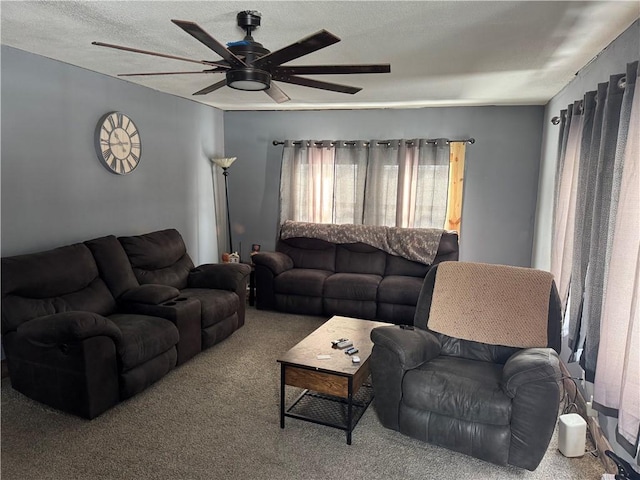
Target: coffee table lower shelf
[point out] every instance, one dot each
(331, 411)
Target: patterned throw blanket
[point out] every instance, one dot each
(494, 304)
(417, 244)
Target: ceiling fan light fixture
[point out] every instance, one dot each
(248, 79)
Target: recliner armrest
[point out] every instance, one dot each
(222, 276)
(277, 262)
(531, 365)
(531, 378)
(150, 294)
(68, 327)
(412, 347)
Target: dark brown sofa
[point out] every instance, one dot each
(318, 277)
(81, 333)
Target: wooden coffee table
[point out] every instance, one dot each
(332, 393)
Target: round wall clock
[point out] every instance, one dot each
(118, 143)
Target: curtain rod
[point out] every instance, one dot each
(470, 141)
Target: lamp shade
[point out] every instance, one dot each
(224, 162)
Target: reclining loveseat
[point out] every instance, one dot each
(80, 332)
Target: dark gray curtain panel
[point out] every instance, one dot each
(596, 243)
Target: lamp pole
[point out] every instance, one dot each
(224, 164)
(226, 194)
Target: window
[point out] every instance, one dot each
(391, 183)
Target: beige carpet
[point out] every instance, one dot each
(217, 417)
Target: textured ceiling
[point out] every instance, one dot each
(441, 52)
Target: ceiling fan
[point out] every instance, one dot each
(247, 65)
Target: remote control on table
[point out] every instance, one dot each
(344, 344)
(351, 351)
(335, 343)
(355, 359)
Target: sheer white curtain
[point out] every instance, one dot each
(392, 183)
(350, 181)
(407, 183)
(565, 203)
(322, 183)
(306, 186)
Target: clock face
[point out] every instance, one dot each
(118, 143)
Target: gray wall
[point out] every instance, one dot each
(501, 169)
(54, 189)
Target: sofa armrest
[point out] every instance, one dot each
(68, 327)
(395, 351)
(277, 262)
(185, 314)
(67, 361)
(531, 377)
(150, 294)
(531, 365)
(222, 276)
(411, 347)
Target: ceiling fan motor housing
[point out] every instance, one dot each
(248, 18)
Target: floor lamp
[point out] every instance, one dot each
(225, 163)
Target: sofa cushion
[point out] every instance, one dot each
(159, 257)
(401, 266)
(360, 258)
(365, 309)
(400, 290)
(302, 281)
(143, 338)
(49, 274)
(309, 253)
(113, 264)
(352, 286)
(216, 305)
(458, 388)
(54, 281)
(299, 304)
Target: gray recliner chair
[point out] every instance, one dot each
(479, 372)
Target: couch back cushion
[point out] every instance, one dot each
(401, 266)
(360, 258)
(159, 257)
(113, 264)
(448, 249)
(54, 281)
(309, 253)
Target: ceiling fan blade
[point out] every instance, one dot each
(308, 82)
(155, 54)
(331, 69)
(212, 87)
(302, 47)
(277, 94)
(199, 34)
(213, 70)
